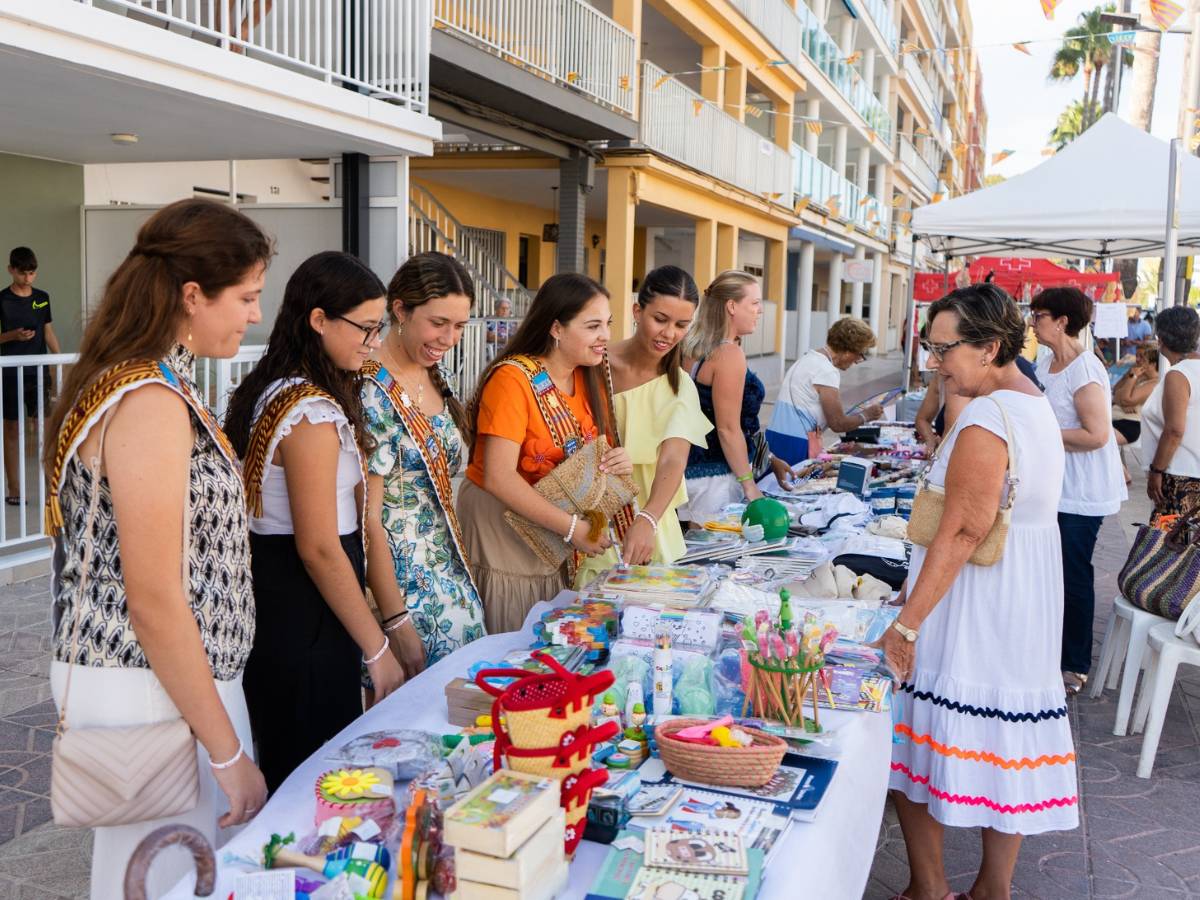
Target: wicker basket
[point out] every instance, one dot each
(750, 766)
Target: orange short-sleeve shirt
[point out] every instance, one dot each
(508, 409)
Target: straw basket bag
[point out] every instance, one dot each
(548, 731)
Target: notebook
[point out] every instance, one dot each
(706, 852)
(662, 884)
(760, 823)
(622, 866)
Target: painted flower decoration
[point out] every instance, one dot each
(539, 456)
(568, 739)
(569, 834)
(569, 784)
(349, 784)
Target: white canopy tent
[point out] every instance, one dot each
(1104, 195)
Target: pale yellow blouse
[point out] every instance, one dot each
(647, 415)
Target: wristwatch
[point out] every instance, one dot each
(909, 634)
(1157, 471)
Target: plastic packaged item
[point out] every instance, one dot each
(663, 675)
(693, 691)
(405, 753)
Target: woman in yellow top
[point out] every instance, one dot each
(656, 397)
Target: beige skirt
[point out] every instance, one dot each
(510, 577)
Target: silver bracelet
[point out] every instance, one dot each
(395, 626)
(228, 764)
(649, 517)
(382, 650)
(571, 530)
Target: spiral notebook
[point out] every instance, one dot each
(652, 884)
(706, 852)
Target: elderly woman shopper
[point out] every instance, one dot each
(810, 398)
(1171, 417)
(1078, 388)
(982, 735)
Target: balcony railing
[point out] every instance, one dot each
(821, 183)
(797, 33)
(566, 41)
(920, 84)
(936, 23)
(380, 47)
(878, 11)
(924, 173)
(680, 124)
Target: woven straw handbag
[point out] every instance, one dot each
(1162, 572)
(930, 503)
(577, 486)
(118, 776)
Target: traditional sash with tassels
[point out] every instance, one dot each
(262, 440)
(565, 430)
(104, 392)
(430, 449)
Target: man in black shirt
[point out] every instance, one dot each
(25, 330)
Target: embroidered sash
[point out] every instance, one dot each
(430, 449)
(104, 392)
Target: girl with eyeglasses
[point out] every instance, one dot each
(297, 423)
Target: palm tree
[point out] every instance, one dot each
(1072, 122)
(1086, 48)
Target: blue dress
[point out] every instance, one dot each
(707, 461)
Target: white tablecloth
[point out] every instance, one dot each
(831, 856)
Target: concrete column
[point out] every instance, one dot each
(835, 288)
(735, 88)
(619, 244)
(812, 110)
(846, 35)
(783, 125)
(706, 253)
(712, 78)
(863, 170)
(775, 290)
(882, 184)
(727, 247)
(878, 289)
(804, 296)
(820, 9)
(840, 136)
(856, 287)
(576, 177)
(868, 68)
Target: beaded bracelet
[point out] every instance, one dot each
(571, 530)
(378, 656)
(228, 764)
(649, 517)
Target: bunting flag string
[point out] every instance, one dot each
(1165, 13)
(1048, 7)
(998, 158)
(1022, 47)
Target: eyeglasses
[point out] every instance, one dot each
(371, 333)
(939, 351)
(1034, 316)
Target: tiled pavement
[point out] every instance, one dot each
(1138, 838)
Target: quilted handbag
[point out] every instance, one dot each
(104, 776)
(1162, 572)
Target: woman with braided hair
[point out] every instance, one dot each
(418, 569)
(296, 420)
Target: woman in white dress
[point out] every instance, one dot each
(1079, 391)
(982, 738)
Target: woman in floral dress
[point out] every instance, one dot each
(417, 568)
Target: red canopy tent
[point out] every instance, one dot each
(1021, 278)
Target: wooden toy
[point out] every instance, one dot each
(356, 793)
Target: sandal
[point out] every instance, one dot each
(1073, 682)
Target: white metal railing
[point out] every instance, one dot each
(679, 123)
(936, 23)
(378, 46)
(797, 34)
(824, 187)
(924, 173)
(920, 84)
(567, 41)
(878, 11)
(433, 227)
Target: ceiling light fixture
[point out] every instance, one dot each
(124, 138)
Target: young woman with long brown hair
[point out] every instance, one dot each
(297, 422)
(142, 481)
(658, 416)
(418, 568)
(537, 404)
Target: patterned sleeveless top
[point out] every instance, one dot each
(221, 596)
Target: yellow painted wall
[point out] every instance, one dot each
(514, 219)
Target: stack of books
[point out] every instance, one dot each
(508, 836)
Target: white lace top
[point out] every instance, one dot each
(277, 511)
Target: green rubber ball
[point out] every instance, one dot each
(770, 514)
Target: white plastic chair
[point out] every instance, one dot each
(1127, 628)
(1167, 653)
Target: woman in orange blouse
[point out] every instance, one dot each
(541, 400)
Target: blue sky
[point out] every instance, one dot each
(1022, 105)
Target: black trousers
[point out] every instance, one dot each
(1078, 535)
(302, 680)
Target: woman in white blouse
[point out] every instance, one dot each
(1079, 391)
(297, 423)
(1171, 417)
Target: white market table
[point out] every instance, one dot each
(830, 857)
